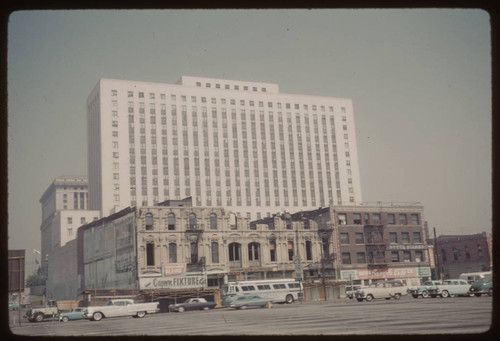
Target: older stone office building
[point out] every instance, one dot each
(178, 246)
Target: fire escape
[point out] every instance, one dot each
(375, 245)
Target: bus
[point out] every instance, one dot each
(282, 290)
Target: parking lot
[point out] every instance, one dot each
(456, 315)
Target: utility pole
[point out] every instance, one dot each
(436, 257)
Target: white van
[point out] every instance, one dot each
(471, 277)
(282, 290)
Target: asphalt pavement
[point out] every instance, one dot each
(457, 315)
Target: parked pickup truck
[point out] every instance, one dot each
(120, 307)
(48, 311)
(192, 304)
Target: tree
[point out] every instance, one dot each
(36, 279)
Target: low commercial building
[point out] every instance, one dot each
(459, 254)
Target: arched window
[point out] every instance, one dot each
(172, 253)
(171, 222)
(234, 251)
(215, 252)
(213, 221)
(150, 254)
(253, 251)
(192, 221)
(149, 221)
(272, 250)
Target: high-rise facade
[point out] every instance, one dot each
(240, 145)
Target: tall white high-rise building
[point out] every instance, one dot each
(241, 145)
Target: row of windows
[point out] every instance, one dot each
(213, 100)
(376, 218)
(268, 287)
(171, 221)
(359, 237)
(457, 253)
(396, 256)
(234, 252)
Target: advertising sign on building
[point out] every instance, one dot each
(172, 269)
(173, 282)
(384, 273)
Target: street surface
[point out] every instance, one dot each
(458, 315)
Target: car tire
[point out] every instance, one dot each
(289, 299)
(445, 294)
(425, 294)
(141, 314)
(243, 307)
(477, 295)
(433, 296)
(39, 317)
(369, 297)
(397, 296)
(181, 309)
(359, 299)
(65, 319)
(415, 295)
(97, 316)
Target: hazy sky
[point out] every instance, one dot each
(420, 81)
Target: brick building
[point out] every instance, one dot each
(457, 254)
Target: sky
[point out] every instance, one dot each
(419, 79)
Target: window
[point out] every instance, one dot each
(395, 256)
(393, 237)
(248, 288)
(479, 251)
(215, 252)
(82, 220)
(417, 237)
(234, 252)
(194, 252)
(414, 219)
(367, 218)
(360, 258)
(346, 258)
(357, 218)
(150, 254)
(359, 238)
(172, 253)
(342, 219)
(376, 218)
(253, 251)
(70, 220)
(344, 238)
(290, 250)
(308, 250)
(279, 286)
(443, 255)
(419, 256)
(455, 254)
(405, 237)
(272, 250)
(467, 253)
(148, 219)
(213, 221)
(406, 256)
(402, 219)
(192, 221)
(171, 222)
(264, 287)
(391, 219)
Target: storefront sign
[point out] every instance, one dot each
(395, 247)
(172, 269)
(173, 282)
(385, 273)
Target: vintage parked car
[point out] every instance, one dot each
(245, 301)
(385, 290)
(423, 290)
(350, 291)
(123, 307)
(482, 286)
(13, 306)
(74, 314)
(451, 288)
(192, 304)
